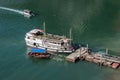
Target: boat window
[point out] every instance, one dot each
(39, 33)
(28, 37)
(62, 43)
(34, 44)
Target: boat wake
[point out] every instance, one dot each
(58, 57)
(12, 10)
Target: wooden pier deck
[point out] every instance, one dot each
(83, 53)
(75, 55)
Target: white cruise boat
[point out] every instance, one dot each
(52, 43)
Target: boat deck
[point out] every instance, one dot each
(40, 34)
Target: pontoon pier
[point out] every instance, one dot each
(84, 53)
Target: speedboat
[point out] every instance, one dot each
(28, 13)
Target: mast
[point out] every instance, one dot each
(106, 50)
(87, 48)
(101, 61)
(44, 28)
(70, 34)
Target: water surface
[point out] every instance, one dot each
(95, 22)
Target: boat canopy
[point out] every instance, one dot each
(36, 50)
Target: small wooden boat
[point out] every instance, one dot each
(38, 53)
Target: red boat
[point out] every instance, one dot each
(38, 53)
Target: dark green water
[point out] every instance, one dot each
(96, 22)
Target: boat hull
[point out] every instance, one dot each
(49, 50)
(39, 55)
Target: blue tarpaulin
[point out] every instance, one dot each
(36, 50)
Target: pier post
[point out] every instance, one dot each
(87, 47)
(106, 50)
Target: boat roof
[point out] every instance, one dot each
(35, 30)
(27, 10)
(47, 36)
(36, 50)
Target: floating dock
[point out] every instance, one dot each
(83, 53)
(75, 55)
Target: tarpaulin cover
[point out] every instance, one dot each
(36, 50)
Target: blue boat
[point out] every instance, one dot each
(38, 53)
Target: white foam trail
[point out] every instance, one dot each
(13, 10)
